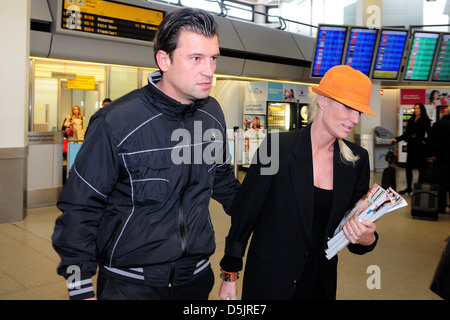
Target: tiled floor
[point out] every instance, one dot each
(407, 254)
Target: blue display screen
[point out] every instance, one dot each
(329, 49)
(361, 46)
(389, 54)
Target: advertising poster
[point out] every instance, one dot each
(276, 91)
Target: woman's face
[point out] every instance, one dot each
(417, 110)
(76, 111)
(436, 95)
(338, 118)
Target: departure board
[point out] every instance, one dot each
(361, 45)
(110, 18)
(421, 56)
(442, 65)
(329, 48)
(388, 59)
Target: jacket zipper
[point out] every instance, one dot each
(181, 223)
(172, 274)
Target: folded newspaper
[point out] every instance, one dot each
(375, 204)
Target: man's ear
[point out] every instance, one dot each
(162, 60)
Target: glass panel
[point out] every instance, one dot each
(92, 104)
(53, 100)
(123, 80)
(45, 111)
(238, 10)
(211, 6)
(273, 15)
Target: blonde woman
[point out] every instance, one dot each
(75, 120)
(291, 214)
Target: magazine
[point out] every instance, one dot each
(375, 204)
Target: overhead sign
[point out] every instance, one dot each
(82, 83)
(111, 19)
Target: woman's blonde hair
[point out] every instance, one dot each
(346, 152)
(80, 113)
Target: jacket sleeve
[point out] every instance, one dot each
(82, 201)
(245, 211)
(226, 185)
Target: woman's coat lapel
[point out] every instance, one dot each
(302, 180)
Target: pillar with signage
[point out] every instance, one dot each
(272, 106)
(369, 13)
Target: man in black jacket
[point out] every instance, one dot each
(136, 204)
(439, 149)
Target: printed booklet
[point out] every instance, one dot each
(375, 204)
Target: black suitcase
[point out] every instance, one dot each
(429, 173)
(424, 201)
(388, 178)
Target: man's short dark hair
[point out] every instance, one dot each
(189, 19)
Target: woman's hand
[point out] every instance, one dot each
(228, 290)
(360, 231)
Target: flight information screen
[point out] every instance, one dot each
(361, 46)
(329, 48)
(421, 56)
(442, 66)
(389, 55)
(110, 19)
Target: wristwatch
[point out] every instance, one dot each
(229, 276)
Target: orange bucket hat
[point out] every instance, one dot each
(347, 86)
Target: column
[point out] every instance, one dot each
(368, 14)
(14, 87)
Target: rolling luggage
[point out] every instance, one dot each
(424, 201)
(388, 178)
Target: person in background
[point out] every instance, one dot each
(136, 203)
(76, 122)
(439, 151)
(292, 213)
(105, 102)
(417, 130)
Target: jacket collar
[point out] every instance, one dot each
(302, 179)
(166, 104)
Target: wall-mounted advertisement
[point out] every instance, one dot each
(276, 91)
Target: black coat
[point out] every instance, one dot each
(279, 208)
(127, 203)
(416, 136)
(439, 141)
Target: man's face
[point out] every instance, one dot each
(189, 74)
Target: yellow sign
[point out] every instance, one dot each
(82, 83)
(116, 10)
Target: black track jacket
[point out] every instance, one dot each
(139, 191)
